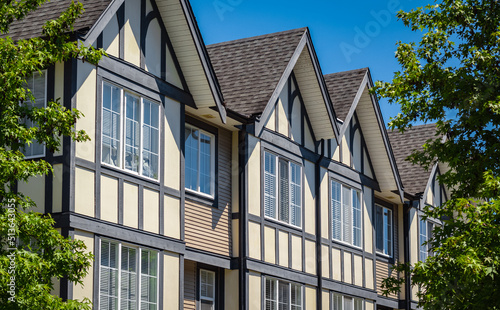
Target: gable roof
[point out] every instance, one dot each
(31, 25)
(414, 177)
(343, 87)
(249, 69)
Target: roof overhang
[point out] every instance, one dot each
(305, 65)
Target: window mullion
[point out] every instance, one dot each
(118, 268)
(198, 172)
(139, 276)
(289, 192)
(122, 127)
(141, 119)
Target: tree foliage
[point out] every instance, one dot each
(29, 240)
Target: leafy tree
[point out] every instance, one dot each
(29, 241)
(452, 77)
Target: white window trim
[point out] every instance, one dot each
(213, 291)
(123, 112)
(212, 164)
(277, 187)
(343, 303)
(383, 226)
(341, 240)
(138, 272)
(426, 235)
(45, 75)
(277, 281)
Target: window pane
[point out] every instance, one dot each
(150, 140)
(358, 304)
(337, 302)
(356, 218)
(207, 305)
(388, 232)
(347, 214)
(132, 137)
(149, 280)
(36, 85)
(296, 297)
(379, 227)
(347, 303)
(128, 278)
(296, 194)
(336, 210)
(423, 239)
(205, 164)
(108, 286)
(284, 191)
(191, 163)
(111, 125)
(271, 302)
(283, 296)
(270, 185)
(207, 285)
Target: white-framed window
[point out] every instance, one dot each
(207, 289)
(282, 189)
(425, 234)
(130, 131)
(37, 84)
(128, 277)
(383, 230)
(282, 295)
(341, 302)
(200, 160)
(346, 214)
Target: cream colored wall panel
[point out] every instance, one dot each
(296, 252)
(235, 184)
(310, 256)
(430, 196)
(111, 38)
(325, 261)
(325, 204)
(357, 151)
(325, 296)
(254, 291)
(34, 189)
(84, 192)
(346, 154)
(109, 199)
(309, 203)
(172, 217)
(254, 241)
(254, 176)
(358, 270)
(85, 290)
(151, 211)
(347, 267)
(368, 216)
(282, 108)
(336, 153)
(296, 134)
(132, 32)
(368, 170)
(57, 188)
(86, 103)
(172, 147)
(269, 245)
(271, 121)
(414, 245)
(369, 273)
(231, 289)
(235, 230)
(336, 265)
(283, 249)
(310, 297)
(369, 305)
(171, 265)
(308, 138)
(59, 93)
(130, 205)
(153, 48)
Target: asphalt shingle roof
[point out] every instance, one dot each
(342, 87)
(31, 25)
(414, 177)
(248, 70)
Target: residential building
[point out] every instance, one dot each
(229, 176)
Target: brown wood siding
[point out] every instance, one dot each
(208, 228)
(189, 285)
(383, 271)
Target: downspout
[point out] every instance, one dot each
(406, 229)
(242, 165)
(317, 187)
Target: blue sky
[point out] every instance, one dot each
(346, 34)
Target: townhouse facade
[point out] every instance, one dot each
(229, 176)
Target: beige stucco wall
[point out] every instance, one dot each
(310, 256)
(310, 293)
(254, 241)
(336, 265)
(151, 211)
(34, 188)
(347, 267)
(283, 248)
(172, 217)
(254, 291)
(325, 204)
(132, 31)
(358, 270)
(172, 146)
(57, 188)
(86, 103)
(368, 223)
(369, 273)
(130, 205)
(296, 252)
(325, 261)
(171, 281)
(84, 192)
(80, 292)
(309, 202)
(269, 245)
(231, 289)
(109, 199)
(254, 176)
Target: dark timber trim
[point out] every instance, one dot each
(243, 208)
(121, 23)
(103, 21)
(207, 258)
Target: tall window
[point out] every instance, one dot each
(130, 131)
(383, 229)
(207, 289)
(282, 189)
(282, 295)
(341, 302)
(128, 277)
(425, 233)
(346, 214)
(200, 160)
(37, 84)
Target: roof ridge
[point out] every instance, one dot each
(259, 37)
(347, 71)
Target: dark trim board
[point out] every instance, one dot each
(348, 289)
(282, 273)
(213, 259)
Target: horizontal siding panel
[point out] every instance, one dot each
(189, 285)
(383, 271)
